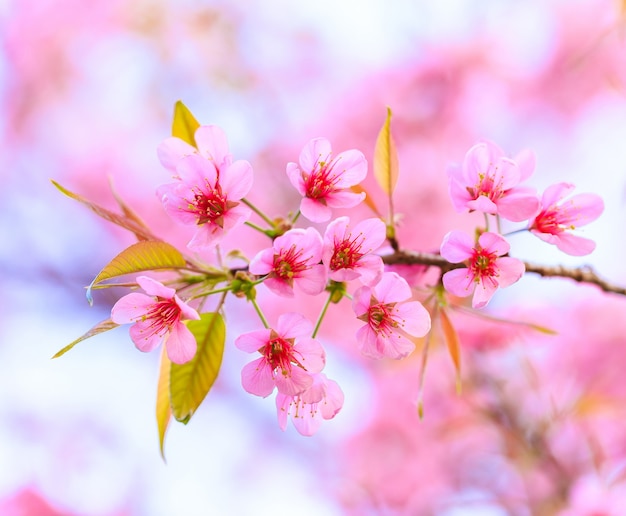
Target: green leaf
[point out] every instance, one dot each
(454, 348)
(101, 327)
(184, 124)
(163, 410)
(191, 382)
(147, 255)
(386, 158)
(123, 220)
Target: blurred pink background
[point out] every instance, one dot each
(87, 92)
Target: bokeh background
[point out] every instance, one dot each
(86, 94)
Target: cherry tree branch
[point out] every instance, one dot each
(582, 275)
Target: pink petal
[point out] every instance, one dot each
(574, 245)
(367, 340)
(181, 344)
(295, 177)
(369, 268)
(518, 204)
(510, 270)
(373, 233)
(312, 281)
(144, 336)
(392, 288)
(314, 210)
(333, 401)
(279, 287)
(236, 180)
(554, 193)
(263, 262)
(525, 160)
(257, 379)
(197, 172)
(396, 346)
(316, 150)
(295, 383)
(415, 318)
(361, 300)
(476, 163)
(306, 423)
(312, 355)
(457, 246)
(351, 167)
(581, 209)
(343, 199)
(459, 282)
(293, 325)
(483, 204)
(506, 173)
(205, 237)
(131, 307)
(212, 144)
(283, 404)
(171, 150)
(484, 291)
(252, 341)
(494, 243)
(155, 288)
(459, 195)
(186, 311)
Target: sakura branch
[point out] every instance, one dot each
(209, 192)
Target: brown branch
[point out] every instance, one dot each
(582, 275)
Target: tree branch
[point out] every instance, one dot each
(582, 275)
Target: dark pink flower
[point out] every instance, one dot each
(157, 318)
(324, 181)
(293, 259)
(348, 253)
(486, 269)
(488, 182)
(557, 217)
(289, 357)
(207, 197)
(323, 400)
(389, 318)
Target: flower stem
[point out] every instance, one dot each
(260, 313)
(321, 317)
(258, 212)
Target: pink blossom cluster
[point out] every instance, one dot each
(489, 182)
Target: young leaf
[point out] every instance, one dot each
(143, 256)
(163, 410)
(184, 124)
(191, 382)
(452, 340)
(386, 158)
(101, 327)
(140, 231)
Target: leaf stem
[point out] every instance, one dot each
(258, 212)
(321, 317)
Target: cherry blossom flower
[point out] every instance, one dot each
(389, 318)
(211, 144)
(157, 318)
(558, 216)
(347, 253)
(323, 400)
(206, 196)
(293, 259)
(487, 182)
(487, 270)
(289, 357)
(324, 181)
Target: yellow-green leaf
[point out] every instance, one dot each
(184, 124)
(386, 158)
(148, 255)
(454, 348)
(123, 220)
(163, 410)
(191, 382)
(101, 327)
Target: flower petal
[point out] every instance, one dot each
(257, 378)
(180, 344)
(457, 246)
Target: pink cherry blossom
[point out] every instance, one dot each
(323, 400)
(293, 259)
(207, 197)
(389, 318)
(347, 253)
(289, 357)
(488, 182)
(157, 318)
(487, 270)
(211, 144)
(324, 181)
(557, 217)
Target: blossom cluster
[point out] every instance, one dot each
(208, 192)
(489, 182)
